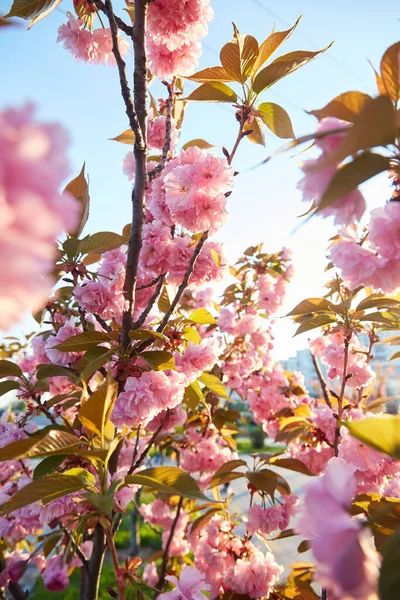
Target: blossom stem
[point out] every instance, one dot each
(321, 380)
(161, 581)
(341, 396)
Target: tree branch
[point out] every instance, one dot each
(184, 283)
(341, 396)
(150, 304)
(321, 380)
(168, 129)
(145, 452)
(161, 580)
(140, 154)
(121, 24)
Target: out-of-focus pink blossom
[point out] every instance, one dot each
(198, 358)
(190, 586)
(55, 575)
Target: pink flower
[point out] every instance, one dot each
(177, 416)
(145, 397)
(198, 358)
(93, 297)
(190, 586)
(55, 575)
(384, 230)
(77, 40)
(165, 63)
(33, 213)
(254, 576)
(329, 143)
(64, 359)
(87, 46)
(314, 184)
(178, 21)
(150, 574)
(156, 131)
(344, 564)
(206, 268)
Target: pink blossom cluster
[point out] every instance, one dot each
(190, 586)
(146, 396)
(175, 28)
(330, 350)
(272, 518)
(93, 47)
(205, 452)
(230, 564)
(319, 173)
(105, 296)
(346, 563)
(198, 358)
(272, 292)
(191, 191)
(33, 212)
(375, 263)
(159, 513)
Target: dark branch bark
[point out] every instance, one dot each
(153, 438)
(120, 23)
(164, 564)
(90, 578)
(168, 129)
(150, 304)
(321, 380)
(184, 283)
(140, 153)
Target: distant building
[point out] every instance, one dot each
(388, 372)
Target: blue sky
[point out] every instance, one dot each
(265, 202)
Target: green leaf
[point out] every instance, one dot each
(9, 369)
(48, 465)
(293, 464)
(7, 386)
(164, 301)
(193, 395)
(395, 355)
(283, 66)
(314, 322)
(54, 441)
(126, 137)
(170, 480)
(268, 481)
(377, 301)
(87, 478)
(202, 316)
(389, 578)
(96, 411)
(32, 9)
(374, 126)
(214, 384)
(226, 473)
(199, 143)
(211, 74)
(79, 189)
(96, 364)
(45, 490)
(83, 341)
(268, 47)
(345, 107)
(311, 305)
(50, 370)
(238, 56)
(390, 72)
(101, 242)
(256, 127)
(202, 521)
(381, 433)
(351, 175)
(159, 360)
(215, 91)
(276, 119)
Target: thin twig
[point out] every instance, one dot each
(321, 380)
(75, 546)
(184, 283)
(145, 452)
(168, 130)
(121, 24)
(151, 283)
(103, 323)
(150, 304)
(341, 395)
(161, 580)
